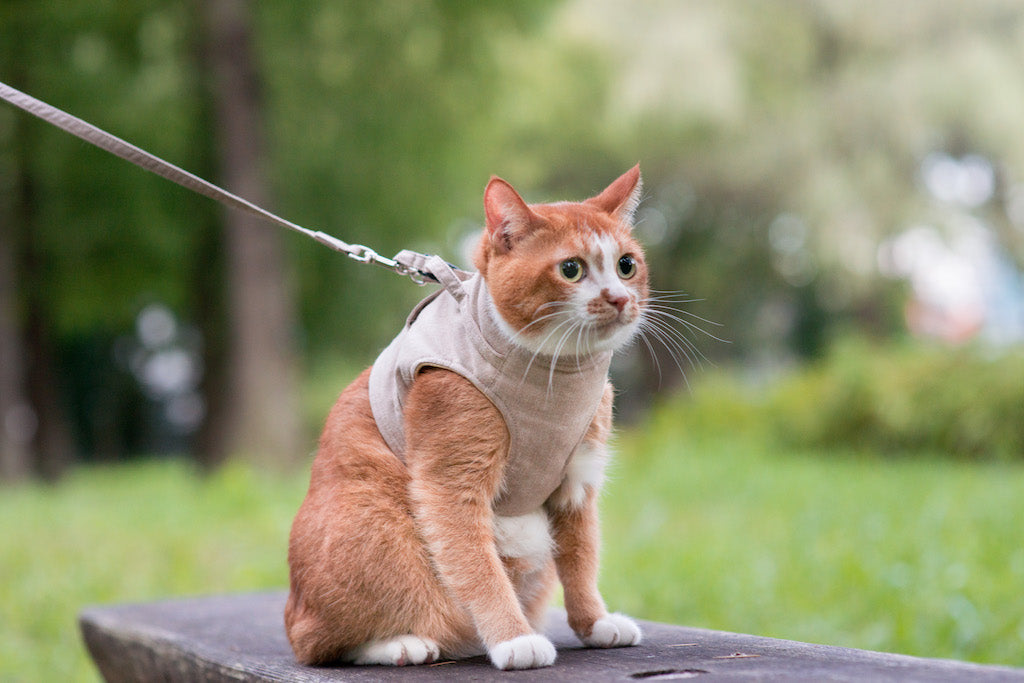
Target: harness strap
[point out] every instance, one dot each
(403, 264)
(447, 275)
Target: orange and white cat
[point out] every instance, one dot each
(409, 548)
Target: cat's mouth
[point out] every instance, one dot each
(614, 320)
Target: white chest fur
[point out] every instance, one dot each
(584, 472)
(529, 536)
(524, 536)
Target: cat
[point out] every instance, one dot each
(456, 480)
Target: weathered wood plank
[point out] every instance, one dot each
(241, 637)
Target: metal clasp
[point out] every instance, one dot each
(364, 254)
(357, 252)
(415, 275)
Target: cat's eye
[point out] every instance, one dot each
(571, 269)
(627, 267)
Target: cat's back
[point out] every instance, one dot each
(357, 487)
(358, 569)
(352, 454)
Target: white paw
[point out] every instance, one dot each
(525, 652)
(396, 651)
(613, 630)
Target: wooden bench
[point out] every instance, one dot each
(241, 638)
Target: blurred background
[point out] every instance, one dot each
(836, 188)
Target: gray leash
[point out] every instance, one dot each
(406, 262)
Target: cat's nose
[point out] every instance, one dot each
(619, 301)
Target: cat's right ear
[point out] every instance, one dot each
(508, 217)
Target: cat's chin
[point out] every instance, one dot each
(599, 339)
(615, 337)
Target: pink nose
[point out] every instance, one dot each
(618, 301)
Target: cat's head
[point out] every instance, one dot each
(567, 279)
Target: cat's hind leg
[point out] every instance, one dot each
(398, 651)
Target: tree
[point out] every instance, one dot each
(256, 411)
(16, 415)
(35, 434)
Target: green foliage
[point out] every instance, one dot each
(963, 403)
(385, 121)
(107, 238)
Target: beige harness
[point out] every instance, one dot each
(547, 409)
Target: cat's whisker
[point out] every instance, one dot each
(675, 313)
(543, 343)
(677, 346)
(663, 321)
(671, 300)
(673, 304)
(551, 304)
(657, 363)
(695, 356)
(580, 328)
(558, 352)
(665, 305)
(587, 329)
(665, 326)
(519, 336)
(583, 331)
(579, 338)
(543, 318)
(667, 293)
(673, 348)
(671, 323)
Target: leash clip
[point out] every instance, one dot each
(364, 254)
(357, 252)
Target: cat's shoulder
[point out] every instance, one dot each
(443, 399)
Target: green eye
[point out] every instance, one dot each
(627, 267)
(571, 269)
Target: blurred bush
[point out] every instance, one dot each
(896, 400)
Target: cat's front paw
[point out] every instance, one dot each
(531, 651)
(613, 630)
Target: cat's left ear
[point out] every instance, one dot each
(621, 198)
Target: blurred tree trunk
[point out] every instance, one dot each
(37, 432)
(53, 444)
(254, 412)
(210, 309)
(16, 415)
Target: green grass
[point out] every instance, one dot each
(711, 527)
(129, 533)
(920, 555)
